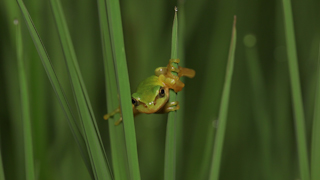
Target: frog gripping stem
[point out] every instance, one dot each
(152, 95)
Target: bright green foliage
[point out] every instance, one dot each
(315, 155)
(25, 108)
(91, 134)
(222, 118)
(122, 76)
(117, 141)
(170, 151)
(272, 118)
(299, 118)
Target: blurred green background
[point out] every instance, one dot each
(260, 138)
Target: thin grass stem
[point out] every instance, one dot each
(2, 176)
(25, 105)
(296, 92)
(119, 59)
(170, 149)
(117, 140)
(223, 112)
(99, 161)
(315, 146)
(74, 126)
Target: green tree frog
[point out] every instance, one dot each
(152, 94)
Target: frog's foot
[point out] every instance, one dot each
(107, 116)
(174, 61)
(171, 106)
(119, 121)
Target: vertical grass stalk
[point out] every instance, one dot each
(119, 59)
(315, 146)
(25, 105)
(296, 92)
(260, 104)
(75, 129)
(170, 149)
(1, 165)
(118, 153)
(99, 162)
(181, 98)
(223, 112)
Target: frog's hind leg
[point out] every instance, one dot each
(107, 116)
(119, 121)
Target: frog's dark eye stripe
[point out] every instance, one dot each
(162, 92)
(135, 102)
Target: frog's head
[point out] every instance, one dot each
(151, 96)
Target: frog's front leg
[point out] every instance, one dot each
(170, 106)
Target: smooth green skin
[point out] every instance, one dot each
(148, 95)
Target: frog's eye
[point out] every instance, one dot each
(135, 102)
(162, 92)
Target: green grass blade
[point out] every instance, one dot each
(223, 112)
(119, 58)
(205, 165)
(118, 153)
(25, 105)
(181, 98)
(260, 104)
(315, 146)
(170, 149)
(56, 85)
(296, 92)
(1, 166)
(99, 162)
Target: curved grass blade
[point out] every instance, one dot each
(296, 92)
(170, 149)
(223, 112)
(119, 59)
(315, 146)
(25, 105)
(118, 153)
(99, 162)
(56, 85)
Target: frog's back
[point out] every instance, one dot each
(148, 88)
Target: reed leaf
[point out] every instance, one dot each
(296, 92)
(99, 162)
(25, 106)
(117, 141)
(223, 112)
(170, 151)
(74, 127)
(119, 60)
(315, 146)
